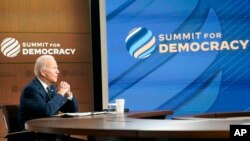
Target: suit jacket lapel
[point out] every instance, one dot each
(41, 88)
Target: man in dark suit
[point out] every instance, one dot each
(41, 97)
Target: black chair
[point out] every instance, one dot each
(11, 122)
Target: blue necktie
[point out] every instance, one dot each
(49, 92)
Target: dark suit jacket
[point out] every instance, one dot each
(35, 102)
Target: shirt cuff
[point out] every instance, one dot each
(70, 96)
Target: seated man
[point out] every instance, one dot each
(41, 98)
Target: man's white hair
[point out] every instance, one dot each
(41, 63)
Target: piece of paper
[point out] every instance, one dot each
(80, 114)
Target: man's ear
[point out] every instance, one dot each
(42, 72)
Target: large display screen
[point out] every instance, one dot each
(189, 56)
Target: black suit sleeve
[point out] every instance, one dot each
(70, 106)
(37, 102)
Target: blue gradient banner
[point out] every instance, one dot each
(188, 56)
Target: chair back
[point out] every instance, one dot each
(10, 114)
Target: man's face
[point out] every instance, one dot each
(51, 72)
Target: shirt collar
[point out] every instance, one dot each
(43, 84)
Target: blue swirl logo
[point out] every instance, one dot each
(140, 43)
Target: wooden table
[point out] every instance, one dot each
(130, 126)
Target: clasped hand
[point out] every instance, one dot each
(64, 89)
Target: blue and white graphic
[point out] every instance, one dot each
(140, 43)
